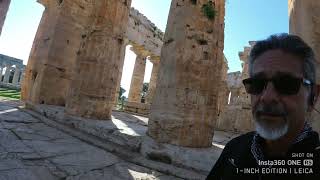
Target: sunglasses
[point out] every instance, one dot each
(283, 84)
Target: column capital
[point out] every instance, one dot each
(154, 59)
(140, 51)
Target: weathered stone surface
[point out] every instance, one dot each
(137, 77)
(305, 22)
(4, 6)
(94, 82)
(62, 29)
(36, 151)
(143, 34)
(197, 158)
(153, 80)
(184, 109)
(137, 108)
(223, 88)
(237, 114)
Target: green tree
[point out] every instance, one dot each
(144, 92)
(121, 92)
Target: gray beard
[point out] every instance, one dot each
(271, 133)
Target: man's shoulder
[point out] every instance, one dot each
(244, 139)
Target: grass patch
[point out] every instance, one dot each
(9, 93)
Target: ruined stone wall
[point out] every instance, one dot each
(4, 6)
(184, 109)
(305, 22)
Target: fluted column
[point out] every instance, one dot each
(94, 82)
(122, 57)
(16, 76)
(305, 22)
(137, 78)
(56, 46)
(21, 78)
(184, 109)
(1, 69)
(4, 6)
(7, 74)
(153, 80)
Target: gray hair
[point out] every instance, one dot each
(290, 44)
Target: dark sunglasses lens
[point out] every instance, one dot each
(254, 86)
(287, 85)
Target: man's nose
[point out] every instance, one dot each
(269, 94)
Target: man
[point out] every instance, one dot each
(283, 93)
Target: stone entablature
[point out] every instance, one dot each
(141, 32)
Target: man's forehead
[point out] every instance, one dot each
(269, 74)
(277, 62)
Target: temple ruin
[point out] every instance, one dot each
(72, 79)
(11, 72)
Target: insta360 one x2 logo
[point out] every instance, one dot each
(308, 162)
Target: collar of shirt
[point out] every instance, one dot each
(256, 146)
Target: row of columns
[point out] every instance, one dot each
(138, 76)
(17, 76)
(76, 61)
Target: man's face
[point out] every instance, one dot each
(278, 114)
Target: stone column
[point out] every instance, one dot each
(21, 78)
(305, 22)
(56, 46)
(96, 73)
(153, 80)
(122, 57)
(184, 109)
(137, 77)
(16, 76)
(7, 74)
(4, 6)
(1, 69)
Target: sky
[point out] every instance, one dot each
(245, 20)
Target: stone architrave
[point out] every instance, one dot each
(7, 74)
(96, 73)
(56, 46)
(137, 77)
(184, 109)
(153, 79)
(16, 76)
(305, 22)
(4, 6)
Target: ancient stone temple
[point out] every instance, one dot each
(184, 109)
(146, 41)
(4, 6)
(305, 22)
(236, 115)
(97, 68)
(11, 72)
